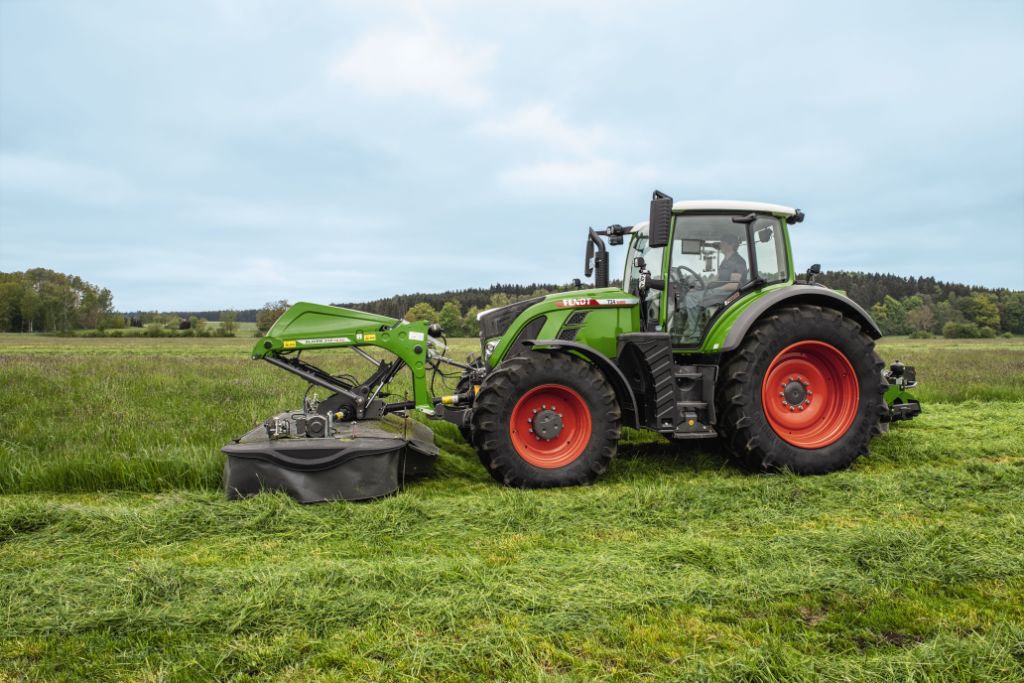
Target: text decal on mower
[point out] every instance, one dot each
(331, 340)
(575, 303)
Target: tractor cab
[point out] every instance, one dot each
(711, 254)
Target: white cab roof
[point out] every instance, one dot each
(724, 205)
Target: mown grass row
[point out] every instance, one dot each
(671, 571)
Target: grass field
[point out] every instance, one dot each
(120, 559)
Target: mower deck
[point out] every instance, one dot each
(357, 461)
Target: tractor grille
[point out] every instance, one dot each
(567, 333)
(530, 331)
(576, 319)
(494, 323)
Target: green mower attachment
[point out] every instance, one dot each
(353, 445)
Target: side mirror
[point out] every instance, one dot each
(764, 234)
(588, 263)
(661, 220)
(812, 271)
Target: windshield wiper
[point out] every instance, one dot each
(756, 283)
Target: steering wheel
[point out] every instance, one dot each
(676, 275)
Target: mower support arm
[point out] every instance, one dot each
(313, 375)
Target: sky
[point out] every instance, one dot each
(206, 155)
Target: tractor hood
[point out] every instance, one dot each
(592, 298)
(494, 321)
(590, 316)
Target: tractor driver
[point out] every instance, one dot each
(732, 272)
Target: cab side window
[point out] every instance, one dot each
(769, 250)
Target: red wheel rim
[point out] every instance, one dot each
(810, 394)
(550, 426)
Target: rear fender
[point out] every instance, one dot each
(796, 295)
(623, 392)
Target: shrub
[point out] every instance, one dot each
(987, 332)
(228, 323)
(115, 333)
(921, 334)
(955, 330)
(1007, 335)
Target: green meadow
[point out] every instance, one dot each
(120, 559)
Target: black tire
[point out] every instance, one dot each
(746, 431)
(512, 381)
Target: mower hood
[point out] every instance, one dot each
(307, 325)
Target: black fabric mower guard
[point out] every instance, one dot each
(361, 460)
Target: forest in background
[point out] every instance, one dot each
(42, 300)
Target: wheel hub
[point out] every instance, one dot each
(547, 424)
(795, 392)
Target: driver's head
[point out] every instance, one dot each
(729, 243)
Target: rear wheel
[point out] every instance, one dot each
(803, 392)
(545, 419)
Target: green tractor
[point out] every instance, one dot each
(713, 335)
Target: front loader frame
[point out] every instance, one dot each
(306, 326)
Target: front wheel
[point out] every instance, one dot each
(546, 419)
(803, 392)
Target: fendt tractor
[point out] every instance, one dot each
(713, 335)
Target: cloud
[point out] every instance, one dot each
(540, 123)
(395, 63)
(81, 183)
(589, 176)
(582, 160)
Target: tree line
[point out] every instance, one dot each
(924, 306)
(42, 300)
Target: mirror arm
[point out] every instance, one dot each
(599, 260)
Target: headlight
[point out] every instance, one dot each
(489, 348)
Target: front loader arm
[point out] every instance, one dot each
(307, 326)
